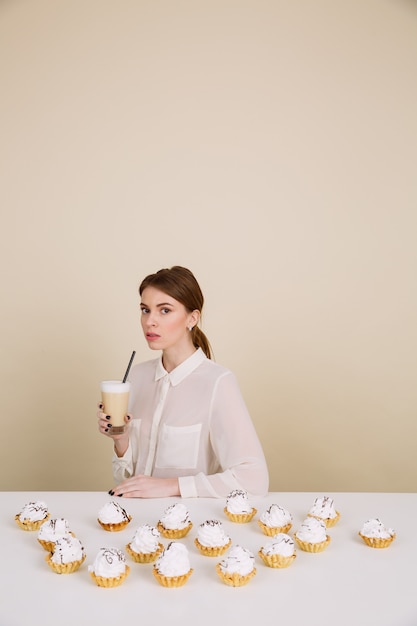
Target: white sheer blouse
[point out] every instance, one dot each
(192, 424)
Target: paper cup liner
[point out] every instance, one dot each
(173, 533)
(64, 568)
(27, 524)
(276, 560)
(273, 530)
(329, 521)
(377, 542)
(171, 581)
(234, 580)
(116, 527)
(312, 547)
(102, 581)
(144, 557)
(240, 518)
(212, 550)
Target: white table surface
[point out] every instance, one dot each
(347, 584)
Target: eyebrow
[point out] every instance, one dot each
(158, 305)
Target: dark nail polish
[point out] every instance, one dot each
(120, 495)
(106, 430)
(111, 492)
(107, 417)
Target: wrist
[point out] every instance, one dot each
(121, 445)
(174, 487)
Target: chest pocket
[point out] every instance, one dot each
(178, 447)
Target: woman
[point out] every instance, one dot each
(189, 432)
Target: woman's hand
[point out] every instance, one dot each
(147, 487)
(121, 441)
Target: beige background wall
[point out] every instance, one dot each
(271, 147)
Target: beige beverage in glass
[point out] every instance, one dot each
(115, 398)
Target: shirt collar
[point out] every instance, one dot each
(181, 371)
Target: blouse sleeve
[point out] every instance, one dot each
(236, 446)
(124, 466)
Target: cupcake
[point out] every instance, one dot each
(376, 535)
(312, 536)
(68, 555)
(278, 551)
(323, 509)
(109, 568)
(32, 516)
(175, 522)
(237, 568)
(145, 546)
(51, 531)
(211, 538)
(238, 508)
(275, 520)
(113, 517)
(172, 568)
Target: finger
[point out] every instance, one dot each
(103, 419)
(103, 416)
(128, 486)
(105, 428)
(133, 494)
(123, 487)
(132, 491)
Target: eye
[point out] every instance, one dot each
(144, 310)
(164, 311)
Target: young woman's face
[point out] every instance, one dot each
(165, 321)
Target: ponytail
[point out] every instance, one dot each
(200, 341)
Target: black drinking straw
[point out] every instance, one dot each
(128, 367)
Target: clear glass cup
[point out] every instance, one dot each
(115, 399)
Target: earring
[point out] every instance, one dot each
(190, 328)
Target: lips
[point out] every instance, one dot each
(152, 336)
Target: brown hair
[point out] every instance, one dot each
(181, 284)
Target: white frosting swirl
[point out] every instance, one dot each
(53, 529)
(276, 516)
(109, 563)
(323, 508)
(237, 502)
(238, 561)
(174, 560)
(112, 513)
(281, 544)
(34, 511)
(67, 549)
(211, 534)
(175, 516)
(312, 531)
(375, 528)
(145, 540)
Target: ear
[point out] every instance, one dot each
(194, 317)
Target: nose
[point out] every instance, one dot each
(150, 320)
